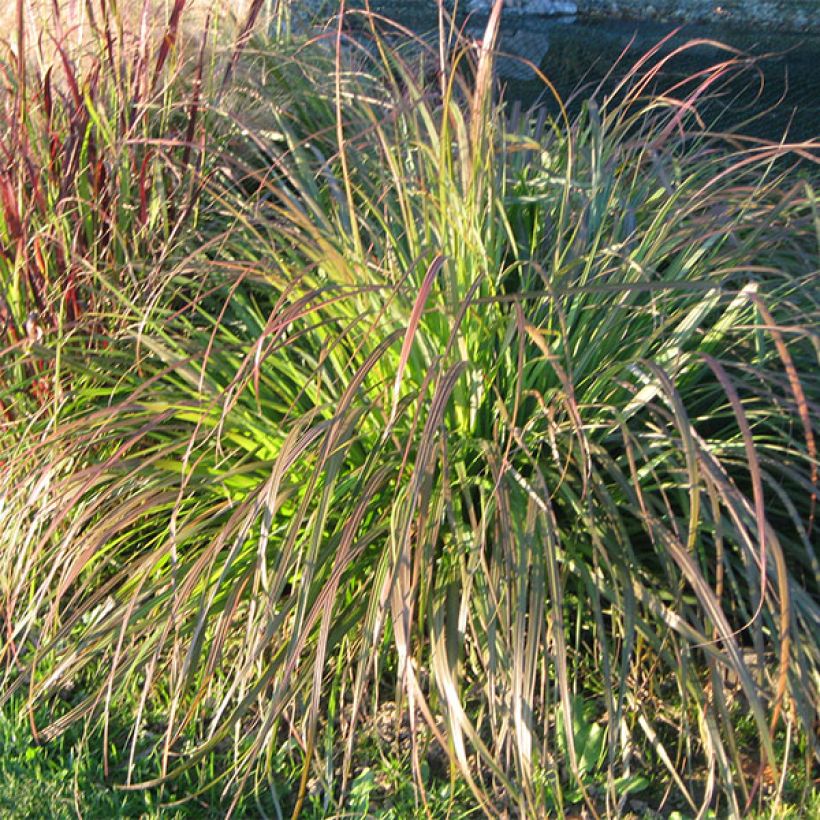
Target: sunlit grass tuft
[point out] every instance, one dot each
(499, 425)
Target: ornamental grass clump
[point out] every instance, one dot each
(105, 134)
(504, 426)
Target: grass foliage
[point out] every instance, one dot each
(400, 408)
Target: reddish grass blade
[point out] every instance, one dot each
(170, 38)
(412, 327)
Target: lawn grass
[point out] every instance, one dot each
(65, 779)
(361, 435)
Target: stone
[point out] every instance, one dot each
(540, 7)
